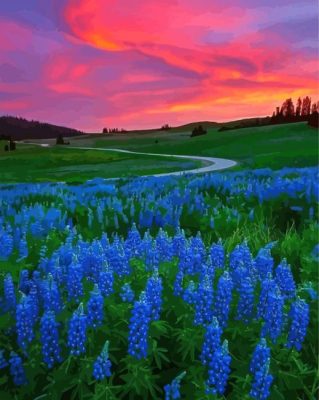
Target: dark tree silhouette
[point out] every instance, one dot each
(288, 109)
(198, 131)
(286, 113)
(12, 145)
(314, 120)
(60, 140)
(298, 107)
(306, 106)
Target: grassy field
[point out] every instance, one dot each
(272, 146)
(276, 146)
(36, 164)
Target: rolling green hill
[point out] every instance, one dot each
(273, 146)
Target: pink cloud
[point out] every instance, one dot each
(143, 63)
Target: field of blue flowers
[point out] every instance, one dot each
(199, 287)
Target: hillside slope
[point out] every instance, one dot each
(20, 129)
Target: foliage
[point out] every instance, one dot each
(114, 293)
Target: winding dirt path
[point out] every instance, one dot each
(214, 164)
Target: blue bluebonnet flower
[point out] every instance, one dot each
(3, 362)
(262, 382)
(23, 248)
(190, 293)
(274, 316)
(74, 282)
(127, 293)
(211, 341)
(164, 246)
(77, 332)
(51, 295)
(245, 306)
(242, 264)
(223, 299)
(268, 285)
(208, 269)
(33, 299)
(51, 351)
(204, 302)
(117, 259)
(9, 293)
(260, 356)
(285, 280)
(299, 316)
(178, 283)
(153, 293)
(133, 242)
(151, 258)
(24, 322)
(24, 282)
(102, 365)
(95, 308)
(17, 370)
(264, 263)
(172, 390)
(179, 242)
(139, 328)
(106, 281)
(6, 245)
(218, 370)
(217, 254)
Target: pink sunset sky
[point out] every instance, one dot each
(143, 63)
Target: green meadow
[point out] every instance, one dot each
(274, 146)
(39, 164)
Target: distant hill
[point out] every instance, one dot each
(192, 125)
(20, 129)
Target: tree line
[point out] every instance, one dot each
(303, 110)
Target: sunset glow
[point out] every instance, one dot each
(143, 63)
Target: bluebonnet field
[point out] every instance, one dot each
(161, 288)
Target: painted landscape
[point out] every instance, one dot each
(167, 247)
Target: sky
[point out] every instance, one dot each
(131, 64)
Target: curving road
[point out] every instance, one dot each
(215, 164)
